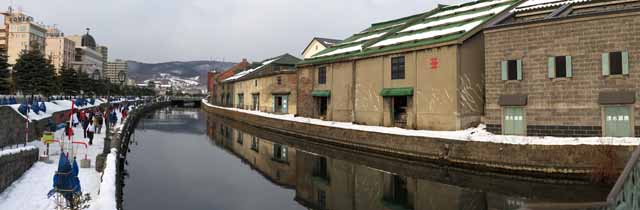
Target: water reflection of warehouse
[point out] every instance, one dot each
(328, 177)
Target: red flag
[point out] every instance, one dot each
(69, 129)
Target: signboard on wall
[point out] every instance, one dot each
(434, 63)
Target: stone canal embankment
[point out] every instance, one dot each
(113, 178)
(567, 161)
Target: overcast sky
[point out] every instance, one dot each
(163, 30)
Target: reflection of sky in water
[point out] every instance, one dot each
(173, 165)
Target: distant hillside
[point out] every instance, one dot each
(188, 69)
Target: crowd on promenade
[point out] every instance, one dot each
(92, 120)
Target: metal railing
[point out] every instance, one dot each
(626, 192)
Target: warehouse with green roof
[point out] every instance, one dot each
(424, 71)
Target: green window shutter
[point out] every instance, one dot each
(605, 64)
(285, 104)
(273, 98)
(519, 69)
(551, 67)
(625, 63)
(503, 67)
(569, 66)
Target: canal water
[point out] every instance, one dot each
(185, 159)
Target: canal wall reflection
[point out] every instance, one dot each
(330, 177)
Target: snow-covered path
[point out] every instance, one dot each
(30, 191)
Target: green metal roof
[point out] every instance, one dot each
(442, 24)
(389, 92)
(321, 93)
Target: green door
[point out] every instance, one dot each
(617, 121)
(513, 121)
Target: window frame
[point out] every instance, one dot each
(255, 144)
(322, 75)
(615, 63)
(398, 68)
(506, 72)
(240, 138)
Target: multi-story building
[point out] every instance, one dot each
(270, 86)
(104, 52)
(564, 68)
(424, 71)
(59, 49)
(220, 93)
(112, 70)
(318, 45)
(87, 58)
(21, 33)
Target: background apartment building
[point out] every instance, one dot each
(568, 68)
(87, 57)
(112, 70)
(21, 32)
(270, 86)
(59, 49)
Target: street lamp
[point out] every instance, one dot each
(122, 77)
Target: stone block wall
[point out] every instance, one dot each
(563, 160)
(13, 166)
(562, 106)
(305, 101)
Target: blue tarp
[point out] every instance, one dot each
(66, 181)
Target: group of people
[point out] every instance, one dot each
(92, 120)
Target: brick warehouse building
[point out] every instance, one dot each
(565, 68)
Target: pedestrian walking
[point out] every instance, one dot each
(98, 122)
(74, 118)
(113, 118)
(91, 129)
(85, 125)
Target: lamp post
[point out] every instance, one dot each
(122, 77)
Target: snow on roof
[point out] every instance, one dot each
(369, 37)
(449, 20)
(538, 4)
(455, 19)
(341, 50)
(468, 8)
(244, 73)
(429, 34)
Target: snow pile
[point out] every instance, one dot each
(16, 150)
(30, 191)
(59, 105)
(106, 200)
(477, 134)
